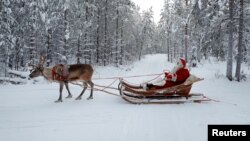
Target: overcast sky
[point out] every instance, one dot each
(156, 4)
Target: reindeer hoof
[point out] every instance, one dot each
(78, 98)
(69, 96)
(89, 98)
(59, 100)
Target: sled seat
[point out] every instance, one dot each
(181, 89)
(177, 94)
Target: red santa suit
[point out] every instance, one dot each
(178, 75)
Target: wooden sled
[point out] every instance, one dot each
(177, 94)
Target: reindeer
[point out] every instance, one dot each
(75, 72)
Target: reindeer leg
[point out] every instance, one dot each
(60, 90)
(67, 87)
(91, 91)
(85, 87)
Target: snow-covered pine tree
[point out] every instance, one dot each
(146, 33)
(5, 35)
(165, 25)
(117, 37)
(230, 42)
(240, 44)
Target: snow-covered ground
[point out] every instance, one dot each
(28, 112)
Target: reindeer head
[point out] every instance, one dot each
(38, 69)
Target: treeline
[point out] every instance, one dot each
(104, 32)
(197, 29)
(100, 32)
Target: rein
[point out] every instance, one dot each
(41, 70)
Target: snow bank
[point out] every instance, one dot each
(28, 112)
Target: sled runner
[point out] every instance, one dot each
(175, 94)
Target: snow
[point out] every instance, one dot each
(43, 17)
(28, 112)
(157, 6)
(13, 80)
(20, 73)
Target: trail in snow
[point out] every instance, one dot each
(28, 112)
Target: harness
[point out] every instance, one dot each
(60, 72)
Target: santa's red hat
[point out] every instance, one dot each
(181, 63)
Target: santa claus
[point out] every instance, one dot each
(176, 76)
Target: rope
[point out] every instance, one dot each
(127, 76)
(116, 78)
(108, 86)
(153, 78)
(114, 94)
(219, 101)
(106, 92)
(97, 89)
(211, 99)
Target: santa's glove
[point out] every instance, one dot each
(166, 71)
(147, 86)
(143, 85)
(171, 77)
(167, 76)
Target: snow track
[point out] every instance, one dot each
(28, 112)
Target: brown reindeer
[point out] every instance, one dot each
(74, 72)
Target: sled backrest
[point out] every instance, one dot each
(184, 88)
(192, 79)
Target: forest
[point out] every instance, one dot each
(115, 32)
(99, 70)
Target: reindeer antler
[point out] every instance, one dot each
(41, 59)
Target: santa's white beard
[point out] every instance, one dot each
(175, 69)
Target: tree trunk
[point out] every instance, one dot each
(168, 46)
(186, 36)
(121, 44)
(105, 34)
(86, 46)
(97, 36)
(171, 49)
(186, 42)
(230, 42)
(33, 32)
(239, 56)
(78, 50)
(49, 55)
(117, 35)
(140, 52)
(142, 41)
(65, 52)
